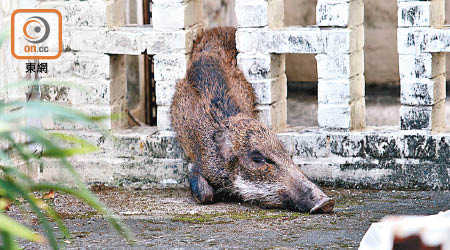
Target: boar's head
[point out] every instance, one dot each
(262, 171)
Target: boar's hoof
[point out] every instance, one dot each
(202, 192)
(326, 205)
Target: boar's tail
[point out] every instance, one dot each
(207, 76)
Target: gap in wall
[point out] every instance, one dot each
(381, 63)
(302, 95)
(301, 69)
(447, 85)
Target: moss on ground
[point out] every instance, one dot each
(229, 217)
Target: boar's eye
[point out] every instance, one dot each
(259, 158)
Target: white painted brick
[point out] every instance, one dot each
(252, 14)
(92, 110)
(296, 40)
(339, 14)
(176, 15)
(170, 66)
(408, 39)
(164, 121)
(261, 66)
(170, 41)
(274, 115)
(84, 65)
(422, 91)
(341, 91)
(164, 92)
(435, 40)
(270, 90)
(423, 117)
(131, 40)
(287, 40)
(421, 13)
(340, 66)
(342, 116)
(346, 40)
(104, 41)
(252, 40)
(76, 91)
(425, 65)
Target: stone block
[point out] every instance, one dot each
(252, 14)
(132, 40)
(270, 90)
(347, 144)
(343, 40)
(311, 145)
(76, 91)
(340, 66)
(425, 65)
(261, 66)
(383, 146)
(296, 40)
(170, 66)
(421, 13)
(409, 40)
(332, 13)
(342, 116)
(341, 91)
(422, 91)
(420, 147)
(274, 115)
(423, 117)
(164, 92)
(90, 110)
(434, 40)
(164, 121)
(281, 41)
(176, 15)
(83, 65)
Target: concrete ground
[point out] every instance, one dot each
(169, 219)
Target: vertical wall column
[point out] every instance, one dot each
(341, 68)
(422, 75)
(265, 71)
(170, 65)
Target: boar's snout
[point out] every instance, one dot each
(325, 205)
(309, 203)
(305, 196)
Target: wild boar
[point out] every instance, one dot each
(234, 154)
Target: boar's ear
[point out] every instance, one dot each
(223, 139)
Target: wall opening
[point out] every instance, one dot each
(302, 102)
(141, 96)
(301, 69)
(381, 63)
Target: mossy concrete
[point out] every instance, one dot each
(167, 219)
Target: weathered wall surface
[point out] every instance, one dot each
(380, 23)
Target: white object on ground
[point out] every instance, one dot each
(433, 230)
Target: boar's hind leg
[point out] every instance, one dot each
(201, 191)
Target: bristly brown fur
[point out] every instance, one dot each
(213, 113)
(214, 90)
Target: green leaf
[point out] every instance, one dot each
(12, 227)
(9, 242)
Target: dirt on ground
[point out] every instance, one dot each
(170, 219)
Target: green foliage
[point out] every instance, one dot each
(15, 153)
